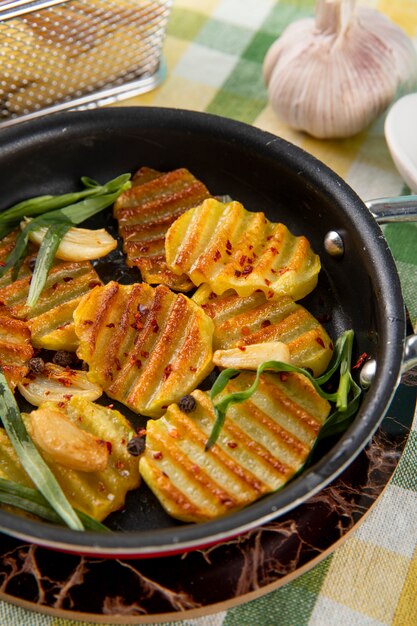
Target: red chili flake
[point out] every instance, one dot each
(117, 363)
(265, 323)
(138, 322)
(273, 271)
(93, 283)
(111, 325)
(135, 361)
(270, 237)
(157, 455)
(238, 274)
(120, 465)
(64, 381)
(54, 286)
(155, 326)
(270, 294)
(267, 282)
(247, 270)
(61, 405)
(68, 396)
(274, 250)
(232, 444)
(212, 296)
(283, 270)
(143, 248)
(192, 368)
(167, 371)
(229, 252)
(250, 246)
(320, 341)
(144, 354)
(245, 330)
(67, 279)
(228, 245)
(243, 348)
(88, 322)
(283, 376)
(242, 260)
(360, 360)
(217, 255)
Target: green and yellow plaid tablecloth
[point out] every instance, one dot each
(214, 51)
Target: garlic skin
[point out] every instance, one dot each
(332, 75)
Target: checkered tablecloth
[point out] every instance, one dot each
(214, 51)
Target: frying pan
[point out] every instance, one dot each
(358, 286)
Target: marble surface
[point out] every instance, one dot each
(204, 581)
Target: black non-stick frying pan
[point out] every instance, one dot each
(358, 286)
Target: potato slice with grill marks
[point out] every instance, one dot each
(50, 320)
(263, 443)
(15, 349)
(146, 211)
(228, 247)
(240, 322)
(145, 347)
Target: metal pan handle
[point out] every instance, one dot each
(386, 211)
(390, 210)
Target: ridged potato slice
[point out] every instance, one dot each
(263, 443)
(97, 493)
(145, 347)
(146, 211)
(228, 247)
(50, 320)
(241, 322)
(15, 349)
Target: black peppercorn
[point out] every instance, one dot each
(136, 446)
(187, 404)
(62, 357)
(36, 365)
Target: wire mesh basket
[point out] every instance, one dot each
(57, 54)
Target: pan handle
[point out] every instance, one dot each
(390, 210)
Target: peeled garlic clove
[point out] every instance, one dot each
(58, 384)
(66, 443)
(250, 357)
(78, 244)
(333, 75)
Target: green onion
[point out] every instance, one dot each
(346, 398)
(58, 213)
(45, 259)
(31, 460)
(32, 501)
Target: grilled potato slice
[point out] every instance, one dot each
(51, 319)
(15, 349)
(241, 322)
(97, 493)
(146, 211)
(145, 347)
(264, 442)
(228, 247)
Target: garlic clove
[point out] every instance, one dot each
(78, 244)
(66, 443)
(251, 356)
(333, 75)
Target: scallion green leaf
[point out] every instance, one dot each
(31, 460)
(346, 398)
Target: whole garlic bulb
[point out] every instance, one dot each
(332, 75)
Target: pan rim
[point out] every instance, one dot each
(192, 536)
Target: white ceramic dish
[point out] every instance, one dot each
(401, 137)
